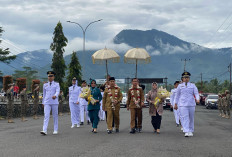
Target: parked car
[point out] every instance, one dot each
(202, 98)
(167, 103)
(211, 102)
(2, 96)
(124, 100)
(145, 101)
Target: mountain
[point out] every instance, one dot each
(166, 52)
(37, 60)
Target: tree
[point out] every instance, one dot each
(27, 73)
(57, 46)
(4, 54)
(225, 86)
(74, 69)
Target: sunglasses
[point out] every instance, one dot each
(93, 83)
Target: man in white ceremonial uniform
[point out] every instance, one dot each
(74, 103)
(50, 102)
(101, 111)
(185, 101)
(172, 98)
(84, 104)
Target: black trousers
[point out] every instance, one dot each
(156, 121)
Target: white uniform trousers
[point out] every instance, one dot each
(84, 113)
(75, 113)
(177, 115)
(187, 118)
(47, 111)
(101, 114)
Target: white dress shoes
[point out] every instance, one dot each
(55, 132)
(190, 134)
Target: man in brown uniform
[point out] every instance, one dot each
(36, 101)
(224, 105)
(227, 104)
(10, 104)
(220, 104)
(135, 102)
(111, 103)
(24, 103)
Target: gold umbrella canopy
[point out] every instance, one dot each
(137, 55)
(104, 56)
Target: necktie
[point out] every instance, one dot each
(73, 87)
(50, 83)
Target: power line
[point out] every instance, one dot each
(23, 63)
(230, 23)
(19, 51)
(211, 38)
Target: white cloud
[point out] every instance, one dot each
(76, 44)
(30, 24)
(156, 53)
(149, 47)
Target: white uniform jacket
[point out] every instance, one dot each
(51, 89)
(185, 94)
(172, 96)
(74, 94)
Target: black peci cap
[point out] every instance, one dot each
(111, 78)
(186, 74)
(51, 73)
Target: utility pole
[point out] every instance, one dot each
(185, 60)
(201, 83)
(229, 68)
(166, 82)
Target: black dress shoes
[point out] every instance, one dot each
(132, 131)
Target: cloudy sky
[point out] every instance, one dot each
(29, 24)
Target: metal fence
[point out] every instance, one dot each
(29, 108)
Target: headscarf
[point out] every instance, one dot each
(152, 89)
(91, 80)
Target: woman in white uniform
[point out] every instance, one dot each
(172, 97)
(74, 99)
(185, 101)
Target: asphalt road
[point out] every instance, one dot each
(212, 138)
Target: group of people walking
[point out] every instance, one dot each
(182, 98)
(107, 99)
(224, 104)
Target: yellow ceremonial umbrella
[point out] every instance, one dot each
(104, 56)
(137, 55)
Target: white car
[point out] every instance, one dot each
(211, 101)
(124, 99)
(2, 96)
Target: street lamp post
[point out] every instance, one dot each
(84, 31)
